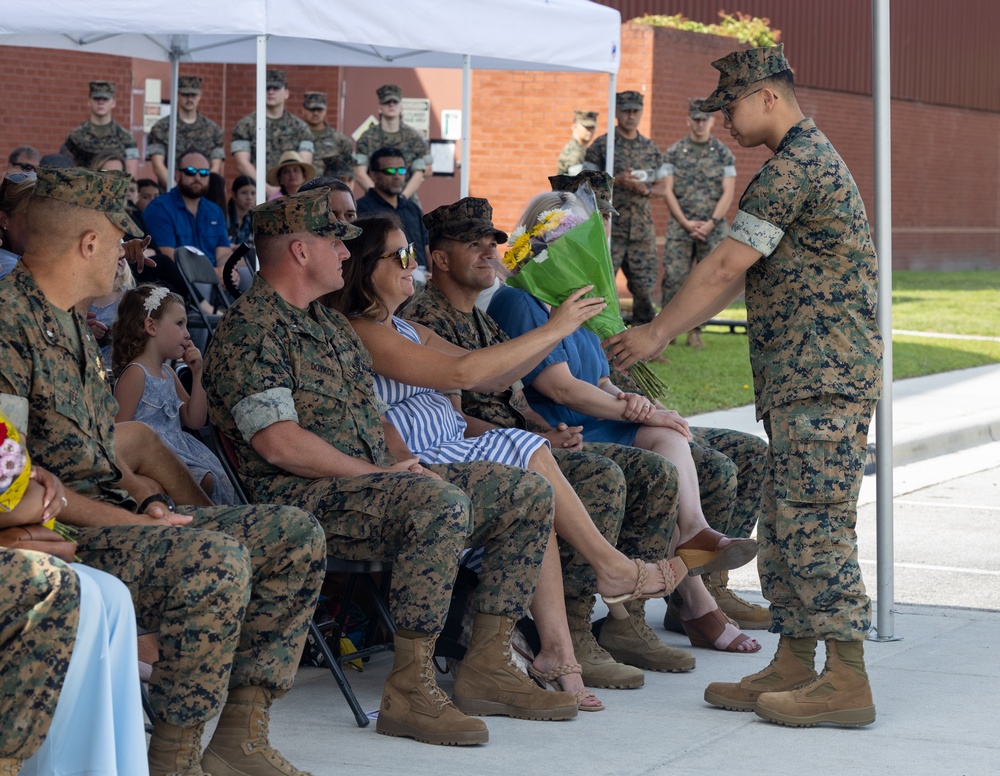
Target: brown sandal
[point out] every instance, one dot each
(703, 554)
(709, 630)
(585, 699)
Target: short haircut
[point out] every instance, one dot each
(440, 242)
(783, 82)
(326, 182)
(382, 153)
(26, 150)
(148, 183)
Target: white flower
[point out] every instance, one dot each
(541, 256)
(156, 296)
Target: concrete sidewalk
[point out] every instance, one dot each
(935, 687)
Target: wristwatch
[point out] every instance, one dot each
(715, 220)
(161, 497)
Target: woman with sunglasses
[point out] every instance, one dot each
(413, 366)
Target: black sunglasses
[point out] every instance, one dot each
(393, 170)
(405, 256)
(204, 172)
(25, 166)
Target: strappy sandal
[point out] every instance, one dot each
(585, 699)
(673, 571)
(703, 555)
(709, 630)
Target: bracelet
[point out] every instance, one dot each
(161, 497)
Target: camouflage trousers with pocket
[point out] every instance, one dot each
(730, 468)
(808, 559)
(634, 252)
(39, 614)
(423, 524)
(230, 597)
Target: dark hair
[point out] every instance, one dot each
(242, 180)
(382, 153)
(216, 190)
(56, 160)
(26, 150)
(781, 82)
(441, 243)
(326, 182)
(144, 183)
(128, 333)
(357, 299)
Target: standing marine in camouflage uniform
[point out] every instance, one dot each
(391, 132)
(639, 175)
(230, 594)
(730, 463)
(284, 131)
(194, 132)
(802, 239)
(572, 155)
(699, 189)
(333, 153)
(101, 134)
(290, 383)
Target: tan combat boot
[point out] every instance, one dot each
(488, 682)
(746, 615)
(632, 641)
(785, 672)
(10, 766)
(175, 751)
(840, 694)
(599, 668)
(413, 706)
(239, 746)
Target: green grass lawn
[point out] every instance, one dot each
(946, 302)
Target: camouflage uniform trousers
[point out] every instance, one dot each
(422, 525)
(630, 494)
(681, 252)
(808, 559)
(633, 250)
(731, 467)
(230, 599)
(39, 614)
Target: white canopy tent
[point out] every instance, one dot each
(500, 35)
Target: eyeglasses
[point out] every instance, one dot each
(393, 170)
(405, 256)
(203, 172)
(725, 111)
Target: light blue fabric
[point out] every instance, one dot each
(97, 728)
(8, 261)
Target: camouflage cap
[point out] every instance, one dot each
(102, 90)
(101, 191)
(600, 182)
(305, 211)
(628, 100)
(465, 220)
(695, 111)
(388, 92)
(740, 70)
(314, 100)
(585, 118)
(277, 78)
(189, 84)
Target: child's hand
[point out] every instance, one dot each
(97, 328)
(192, 357)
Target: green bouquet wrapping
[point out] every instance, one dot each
(556, 264)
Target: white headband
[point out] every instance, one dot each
(155, 298)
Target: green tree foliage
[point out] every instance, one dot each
(745, 28)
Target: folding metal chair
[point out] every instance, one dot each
(202, 288)
(357, 571)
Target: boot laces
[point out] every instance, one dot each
(437, 695)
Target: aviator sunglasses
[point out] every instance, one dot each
(405, 256)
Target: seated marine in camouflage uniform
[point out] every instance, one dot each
(228, 589)
(291, 385)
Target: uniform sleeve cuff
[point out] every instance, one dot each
(264, 409)
(729, 171)
(760, 235)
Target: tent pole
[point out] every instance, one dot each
(609, 159)
(172, 148)
(261, 143)
(881, 108)
(466, 123)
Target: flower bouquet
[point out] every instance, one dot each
(564, 250)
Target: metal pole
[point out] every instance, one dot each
(172, 147)
(609, 156)
(261, 143)
(881, 107)
(466, 124)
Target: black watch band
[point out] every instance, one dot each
(161, 497)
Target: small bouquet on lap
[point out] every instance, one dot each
(566, 249)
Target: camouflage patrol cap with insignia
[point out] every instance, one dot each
(276, 79)
(739, 71)
(388, 93)
(465, 220)
(600, 182)
(189, 84)
(312, 100)
(585, 118)
(104, 192)
(695, 111)
(102, 90)
(628, 100)
(306, 211)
